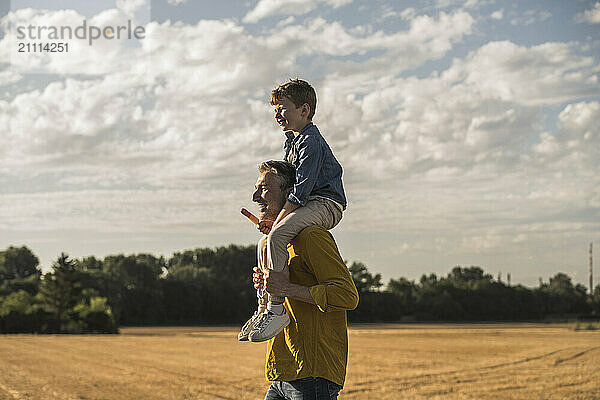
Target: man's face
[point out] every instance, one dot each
(268, 195)
(289, 117)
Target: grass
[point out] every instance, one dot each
(402, 361)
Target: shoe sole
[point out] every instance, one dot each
(244, 337)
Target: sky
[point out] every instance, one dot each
(468, 130)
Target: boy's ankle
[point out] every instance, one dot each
(276, 308)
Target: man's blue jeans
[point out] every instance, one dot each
(303, 389)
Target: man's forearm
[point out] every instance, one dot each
(299, 292)
(278, 284)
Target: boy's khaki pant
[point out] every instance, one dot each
(272, 248)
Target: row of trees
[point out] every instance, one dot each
(469, 294)
(208, 286)
(59, 301)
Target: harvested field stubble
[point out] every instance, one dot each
(437, 361)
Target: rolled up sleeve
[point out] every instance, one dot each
(308, 165)
(335, 289)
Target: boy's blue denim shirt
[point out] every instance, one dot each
(318, 172)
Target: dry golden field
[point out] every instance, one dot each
(496, 361)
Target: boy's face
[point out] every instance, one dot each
(290, 117)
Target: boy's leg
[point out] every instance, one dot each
(316, 212)
(261, 294)
(261, 256)
(319, 211)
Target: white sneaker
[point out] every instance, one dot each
(269, 325)
(248, 326)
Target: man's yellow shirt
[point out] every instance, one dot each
(315, 343)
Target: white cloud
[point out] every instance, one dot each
(581, 118)
(8, 77)
(427, 38)
(408, 13)
(591, 16)
(498, 14)
(468, 4)
(531, 17)
(578, 138)
(487, 103)
(288, 21)
(177, 2)
(124, 210)
(387, 11)
(129, 7)
(543, 74)
(548, 145)
(268, 8)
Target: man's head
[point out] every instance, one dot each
(275, 181)
(294, 104)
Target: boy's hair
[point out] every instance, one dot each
(283, 169)
(299, 92)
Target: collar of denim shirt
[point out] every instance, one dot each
(290, 138)
(290, 134)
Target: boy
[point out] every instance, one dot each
(317, 197)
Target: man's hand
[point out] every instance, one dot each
(258, 278)
(277, 283)
(265, 226)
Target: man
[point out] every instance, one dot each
(307, 360)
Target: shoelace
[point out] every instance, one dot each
(264, 318)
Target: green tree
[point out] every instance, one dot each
(17, 263)
(15, 302)
(363, 279)
(214, 284)
(428, 280)
(405, 291)
(21, 312)
(192, 295)
(90, 263)
(462, 277)
(132, 285)
(562, 297)
(93, 313)
(61, 290)
(596, 301)
(19, 271)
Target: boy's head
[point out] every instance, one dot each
(295, 103)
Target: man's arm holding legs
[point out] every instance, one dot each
(278, 284)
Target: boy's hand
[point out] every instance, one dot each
(265, 226)
(258, 278)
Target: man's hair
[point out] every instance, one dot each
(299, 92)
(283, 169)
